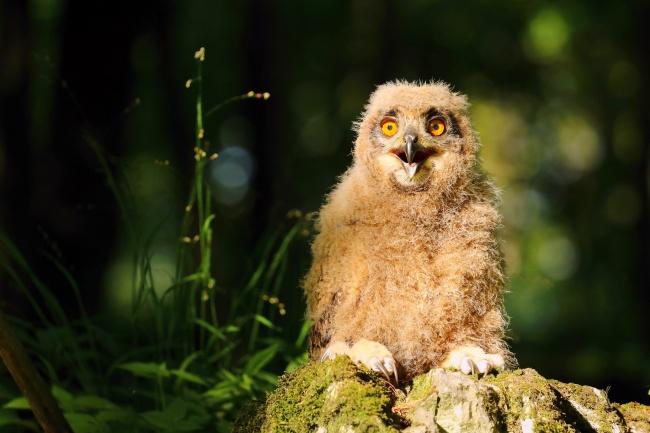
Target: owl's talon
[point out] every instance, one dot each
(472, 360)
(390, 366)
(482, 366)
(377, 366)
(327, 355)
(376, 357)
(335, 349)
(467, 366)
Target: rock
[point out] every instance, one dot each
(338, 397)
(328, 397)
(637, 416)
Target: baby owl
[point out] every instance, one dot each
(407, 274)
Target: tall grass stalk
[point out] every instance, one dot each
(195, 369)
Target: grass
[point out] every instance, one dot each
(175, 364)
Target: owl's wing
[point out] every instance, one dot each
(320, 334)
(338, 268)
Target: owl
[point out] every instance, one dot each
(407, 274)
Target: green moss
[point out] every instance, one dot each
(589, 407)
(421, 388)
(338, 397)
(637, 416)
(335, 395)
(531, 402)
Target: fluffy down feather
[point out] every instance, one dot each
(416, 268)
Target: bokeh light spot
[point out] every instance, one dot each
(503, 135)
(231, 174)
(578, 145)
(522, 206)
(548, 34)
(557, 257)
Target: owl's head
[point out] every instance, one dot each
(416, 136)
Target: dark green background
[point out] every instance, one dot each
(559, 93)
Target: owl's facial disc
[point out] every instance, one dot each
(411, 144)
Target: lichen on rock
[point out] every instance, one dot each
(453, 402)
(338, 397)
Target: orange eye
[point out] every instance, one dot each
(437, 127)
(388, 127)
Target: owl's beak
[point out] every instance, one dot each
(411, 148)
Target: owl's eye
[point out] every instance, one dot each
(388, 126)
(436, 127)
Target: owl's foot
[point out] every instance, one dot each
(376, 357)
(472, 359)
(334, 349)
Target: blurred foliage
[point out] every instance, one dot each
(559, 99)
(174, 365)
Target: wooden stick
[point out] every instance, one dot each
(45, 409)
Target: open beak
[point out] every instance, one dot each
(410, 165)
(412, 155)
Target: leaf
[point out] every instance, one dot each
(90, 402)
(260, 359)
(206, 224)
(8, 417)
(60, 394)
(268, 377)
(174, 418)
(123, 416)
(304, 331)
(84, 423)
(189, 377)
(228, 375)
(223, 352)
(264, 321)
(17, 403)
(146, 369)
(210, 328)
(221, 392)
(188, 360)
(177, 409)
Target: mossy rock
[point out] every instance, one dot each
(332, 396)
(637, 416)
(338, 397)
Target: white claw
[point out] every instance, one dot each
(333, 350)
(377, 365)
(467, 366)
(482, 365)
(389, 363)
(375, 356)
(496, 362)
(473, 359)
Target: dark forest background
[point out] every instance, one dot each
(559, 94)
